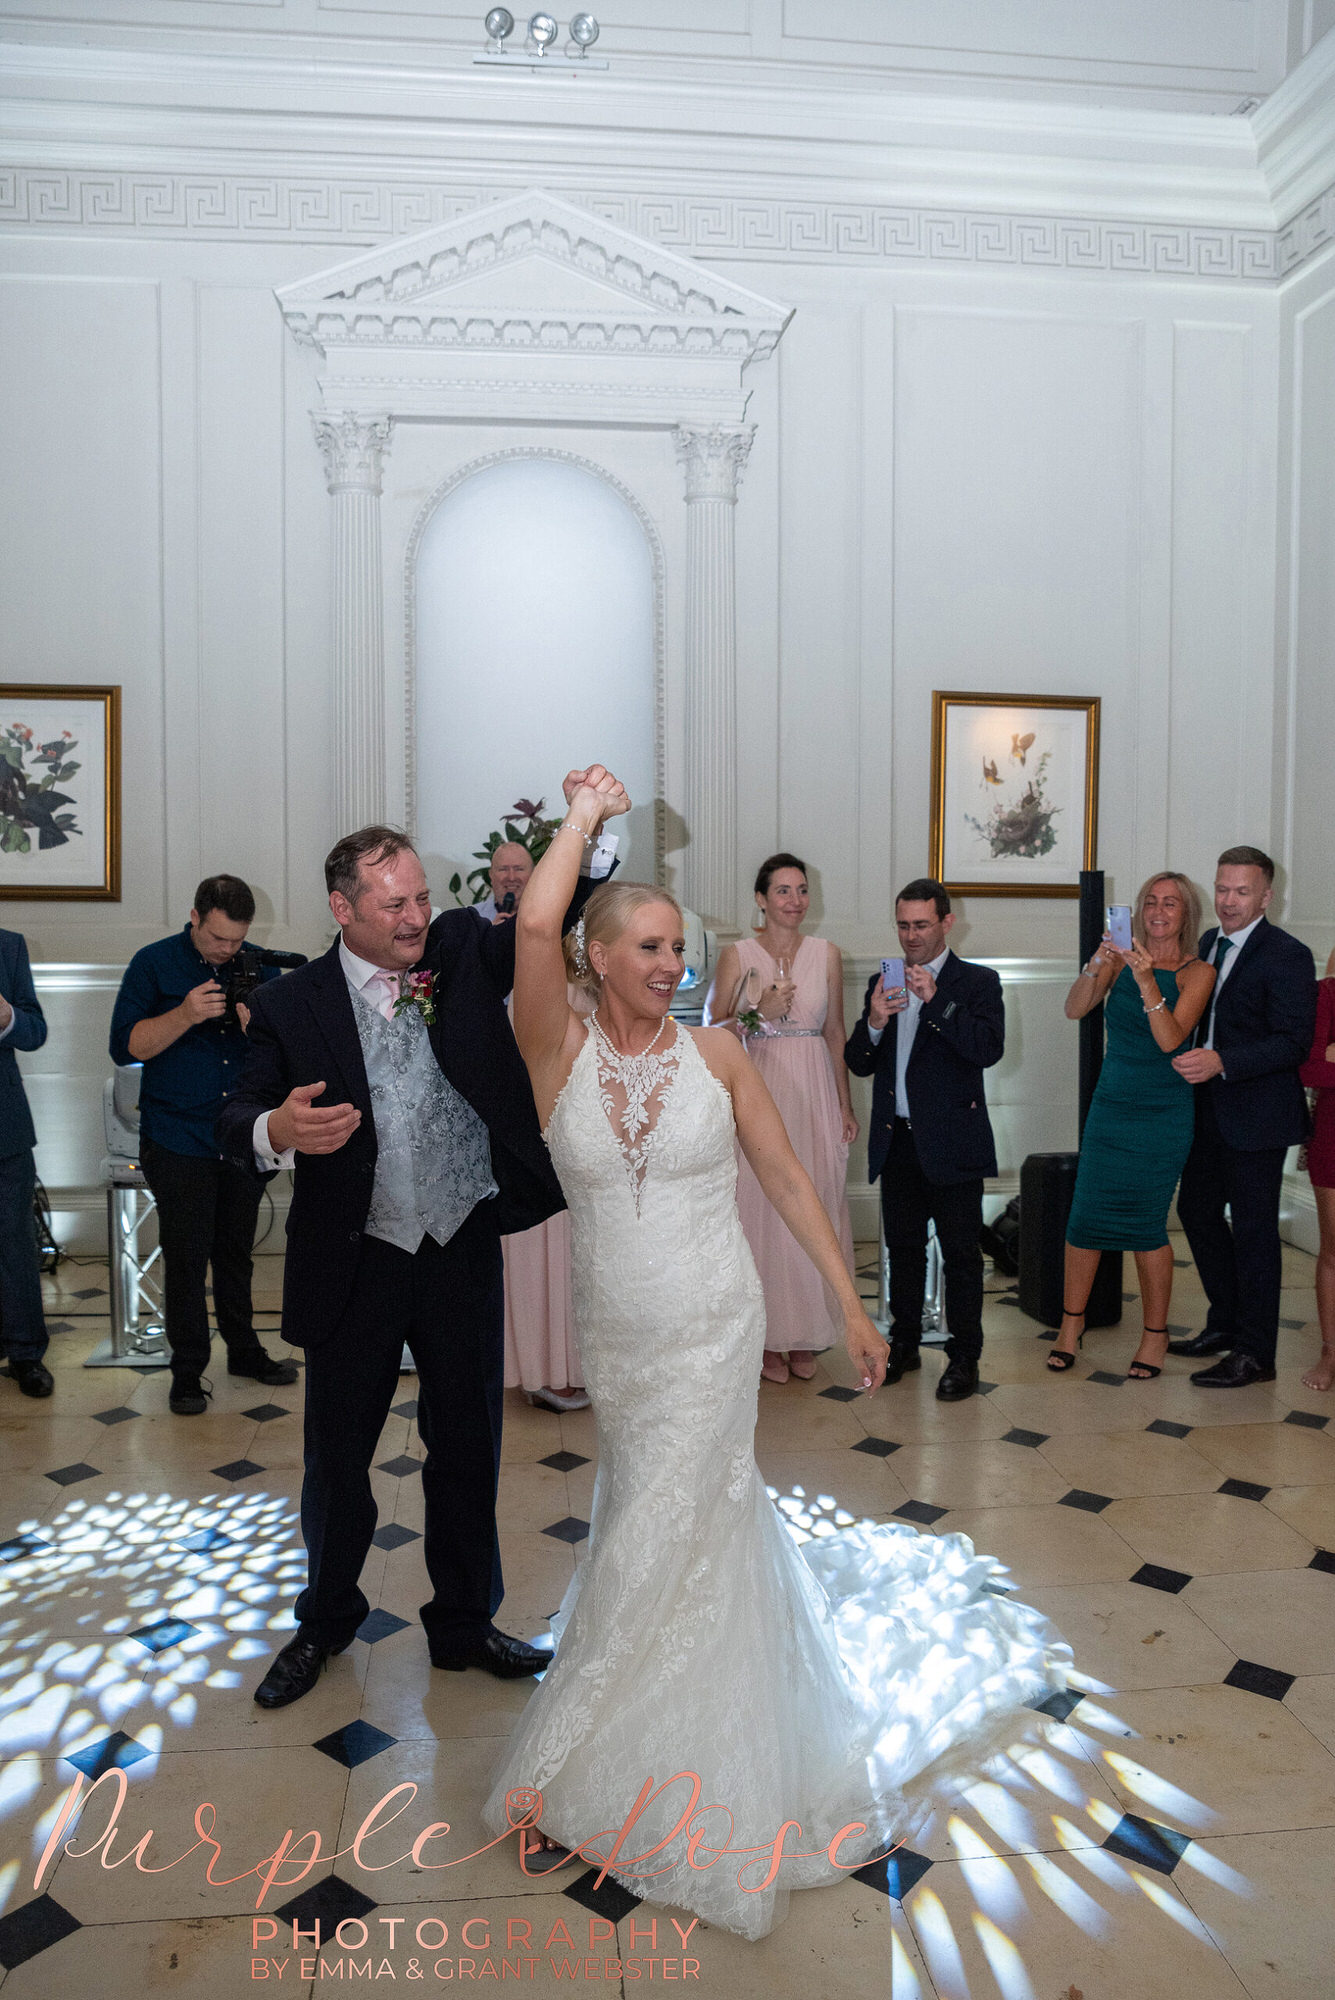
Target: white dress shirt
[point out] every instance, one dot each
(904, 1034)
(1237, 939)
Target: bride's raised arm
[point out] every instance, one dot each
(542, 1013)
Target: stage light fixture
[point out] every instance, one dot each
(499, 23)
(542, 32)
(583, 35)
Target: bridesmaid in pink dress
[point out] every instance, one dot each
(799, 1052)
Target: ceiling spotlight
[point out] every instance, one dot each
(583, 34)
(499, 23)
(542, 32)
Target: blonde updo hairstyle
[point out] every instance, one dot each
(606, 914)
(1189, 935)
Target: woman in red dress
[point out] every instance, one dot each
(1318, 1073)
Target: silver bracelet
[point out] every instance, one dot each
(1154, 1010)
(568, 826)
(1085, 973)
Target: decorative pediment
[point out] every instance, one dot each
(537, 302)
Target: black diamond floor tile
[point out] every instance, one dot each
(394, 1536)
(408, 1408)
(162, 1633)
(875, 1447)
(1179, 1332)
(986, 1388)
(203, 1541)
(611, 1900)
(1060, 1704)
(1008, 1299)
(1309, 1419)
(116, 1752)
(1145, 1841)
(1243, 1489)
(563, 1461)
(60, 1326)
(1162, 1427)
(20, 1546)
(70, 1475)
(1129, 1298)
(380, 1624)
(264, 1413)
(1102, 1375)
(837, 1393)
(921, 1512)
(1181, 1263)
(1294, 1325)
(1324, 1559)
(1088, 1503)
(329, 1902)
(1155, 1578)
(356, 1743)
(1033, 1438)
(236, 1468)
(894, 1874)
(32, 1928)
(571, 1530)
(1253, 1678)
(120, 1415)
(90, 1292)
(400, 1466)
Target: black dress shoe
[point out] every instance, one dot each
(295, 1671)
(959, 1379)
(189, 1397)
(261, 1367)
(901, 1360)
(496, 1653)
(1235, 1371)
(1202, 1344)
(33, 1377)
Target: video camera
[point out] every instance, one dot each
(242, 974)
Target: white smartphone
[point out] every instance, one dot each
(1119, 925)
(892, 978)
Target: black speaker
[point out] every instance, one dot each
(1047, 1185)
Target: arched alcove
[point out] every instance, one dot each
(533, 590)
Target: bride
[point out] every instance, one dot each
(728, 1716)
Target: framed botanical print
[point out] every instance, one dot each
(1015, 792)
(60, 793)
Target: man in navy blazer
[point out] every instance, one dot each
(1250, 1109)
(22, 1325)
(930, 1141)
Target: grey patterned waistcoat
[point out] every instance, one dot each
(433, 1163)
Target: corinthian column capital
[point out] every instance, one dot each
(354, 450)
(713, 460)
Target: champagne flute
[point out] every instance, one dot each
(785, 969)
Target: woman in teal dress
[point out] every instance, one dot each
(1139, 1128)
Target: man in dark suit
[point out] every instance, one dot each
(387, 1072)
(930, 1140)
(22, 1324)
(1250, 1109)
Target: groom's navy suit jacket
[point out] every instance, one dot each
(303, 1030)
(1264, 1019)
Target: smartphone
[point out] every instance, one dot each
(892, 978)
(1119, 925)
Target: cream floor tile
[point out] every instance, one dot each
(81, 1390)
(909, 1413)
(1215, 1532)
(1131, 1464)
(201, 1959)
(978, 1473)
(409, 1698)
(842, 1943)
(1312, 1700)
(1045, 1544)
(1046, 1925)
(808, 1423)
(1310, 1510)
(1125, 1636)
(42, 1444)
(1281, 1618)
(857, 1482)
(531, 1496)
(1176, 1398)
(528, 1433)
(537, 1571)
(173, 1445)
(1015, 1358)
(1289, 1384)
(217, 1712)
(578, 1431)
(454, 1777)
(1210, 1760)
(1265, 1899)
(579, 1489)
(1072, 1404)
(1042, 1793)
(1270, 1454)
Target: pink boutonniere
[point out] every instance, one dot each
(417, 989)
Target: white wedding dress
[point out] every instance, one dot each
(811, 1683)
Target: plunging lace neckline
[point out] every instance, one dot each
(633, 1092)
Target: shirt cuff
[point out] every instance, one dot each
(9, 1027)
(874, 1035)
(603, 855)
(266, 1159)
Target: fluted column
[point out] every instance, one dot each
(713, 461)
(354, 449)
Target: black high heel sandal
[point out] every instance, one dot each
(1058, 1360)
(1144, 1371)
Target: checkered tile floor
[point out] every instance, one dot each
(1165, 1828)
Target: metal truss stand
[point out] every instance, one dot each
(137, 1337)
(934, 1329)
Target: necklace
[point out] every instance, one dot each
(614, 1052)
(637, 1079)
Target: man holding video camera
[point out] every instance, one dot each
(181, 1013)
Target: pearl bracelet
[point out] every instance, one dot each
(569, 826)
(1154, 1010)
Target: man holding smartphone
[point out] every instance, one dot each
(926, 1044)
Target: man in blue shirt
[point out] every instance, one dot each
(172, 1016)
(22, 1325)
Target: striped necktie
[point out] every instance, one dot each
(1223, 947)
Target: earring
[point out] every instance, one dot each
(759, 919)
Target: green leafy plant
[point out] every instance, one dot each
(525, 825)
(29, 801)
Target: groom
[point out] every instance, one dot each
(407, 1113)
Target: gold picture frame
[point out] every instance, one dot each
(60, 793)
(1015, 792)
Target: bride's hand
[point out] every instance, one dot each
(867, 1351)
(595, 795)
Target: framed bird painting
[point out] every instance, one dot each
(1015, 792)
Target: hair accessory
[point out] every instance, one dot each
(581, 957)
